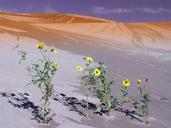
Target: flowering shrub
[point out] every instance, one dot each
(97, 83)
(141, 104)
(123, 97)
(42, 73)
(88, 79)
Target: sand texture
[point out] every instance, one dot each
(130, 50)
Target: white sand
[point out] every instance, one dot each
(14, 78)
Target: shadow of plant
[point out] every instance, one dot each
(21, 100)
(80, 105)
(131, 114)
(75, 104)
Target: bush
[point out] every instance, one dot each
(42, 73)
(97, 83)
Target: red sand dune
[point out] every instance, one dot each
(75, 28)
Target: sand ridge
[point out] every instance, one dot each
(70, 27)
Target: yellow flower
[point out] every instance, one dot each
(41, 45)
(89, 59)
(79, 68)
(139, 82)
(55, 65)
(97, 72)
(126, 83)
(53, 49)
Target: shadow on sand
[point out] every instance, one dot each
(21, 100)
(79, 106)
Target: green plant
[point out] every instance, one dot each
(88, 80)
(141, 104)
(42, 74)
(104, 89)
(123, 97)
(96, 83)
(23, 55)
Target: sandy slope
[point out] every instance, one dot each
(133, 34)
(74, 28)
(14, 77)
(121, 62)
(64, 31)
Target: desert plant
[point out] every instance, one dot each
(23, 55)
(124, 97)
(141, 104)
(42, 73)
(88, 80)
(104, 89)
(96, 83)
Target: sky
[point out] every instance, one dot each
(117, 10)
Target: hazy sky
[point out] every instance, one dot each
(119, 10)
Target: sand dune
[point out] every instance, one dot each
(84, 35)
(71, 28)
(134, 34)
(53, 18)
